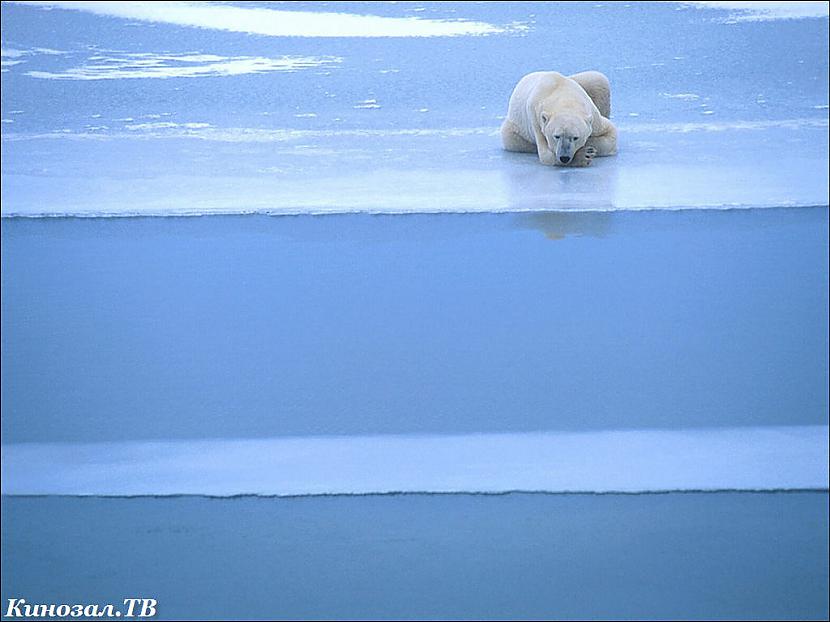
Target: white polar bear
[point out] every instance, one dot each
(563, 119)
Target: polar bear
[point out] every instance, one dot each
(563, 119)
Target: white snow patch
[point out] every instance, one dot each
(277, 22)
(367, 104)
(11, 56)
(765, 11)
(150, 65)
(12, 53)
(164, 125)
(686, 96)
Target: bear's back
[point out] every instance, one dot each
(543, 84)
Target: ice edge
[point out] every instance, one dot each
(344, 211)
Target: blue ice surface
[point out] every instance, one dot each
(713, 111)
(255, 326)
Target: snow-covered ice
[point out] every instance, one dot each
(692, 131)
(777, 458)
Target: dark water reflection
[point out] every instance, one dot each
(260, 326)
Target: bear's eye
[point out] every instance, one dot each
(556, 137)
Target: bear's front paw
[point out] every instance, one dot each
(584, 156)
(548, 159)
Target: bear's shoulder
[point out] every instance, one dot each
(542, 85)
(551, 79)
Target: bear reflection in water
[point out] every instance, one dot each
(559, 225)
(561, 202)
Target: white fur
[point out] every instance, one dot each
(558, 118)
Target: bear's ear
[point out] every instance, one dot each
(545, 118)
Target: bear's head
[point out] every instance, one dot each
(566, 134)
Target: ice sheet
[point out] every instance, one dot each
(776, 458)
(730, 111)
(681, 166)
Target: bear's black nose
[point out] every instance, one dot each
(564, 159)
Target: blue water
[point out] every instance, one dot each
(675, 556)
(120, 329)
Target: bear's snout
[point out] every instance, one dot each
(564, 159)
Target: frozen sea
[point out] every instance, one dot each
(136, 113)
(286, 334)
